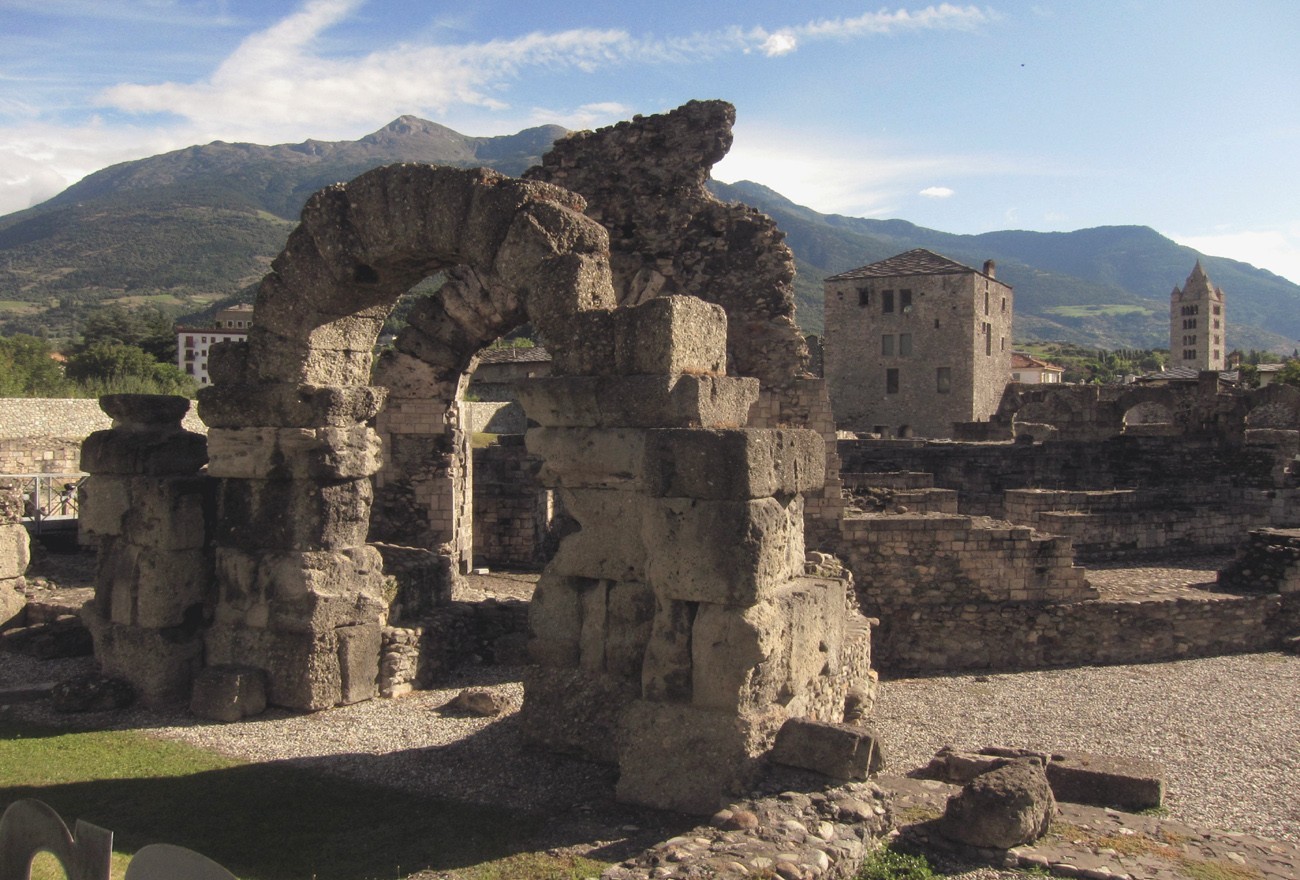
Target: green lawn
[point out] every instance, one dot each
(263, 821)
(1097, 311)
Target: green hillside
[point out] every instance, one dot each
(190, 229)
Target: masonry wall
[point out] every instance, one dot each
(513, 514)
(1007, 636)
(940, 562)
(946, 327)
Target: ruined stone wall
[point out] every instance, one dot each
(1008, 636)
(15, 554)
(982, 473)
(939, 561)
(513, 513)
(1126, 524)
(1268, 563)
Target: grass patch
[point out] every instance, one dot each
(1200, 869)
(890, 864)
(19, 307)
(268, 821)
(483, 439)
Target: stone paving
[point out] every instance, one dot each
(1100, 844)
(1191, 577)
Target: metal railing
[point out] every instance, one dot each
(49, 500)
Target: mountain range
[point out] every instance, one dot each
(196, 228)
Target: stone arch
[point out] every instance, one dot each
(300, 591)
(1274, 406)
(1150, 418)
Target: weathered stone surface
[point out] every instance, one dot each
(129, 452)
(684, 758)
(358, 661)
(481, 703)
(149, 412)
(15, 551)
(302, 667)
(293, 453)
(555, 621)
(841, 751)
(229, 693)
(289, 405)
(153, 588)
(683, 401)
(1100, 780)
(670, 335)
(1006, 807)
(733, 464)
(293, 514)
(666, 673)
(608, 543)
(159, 664)
(589, 458)
(724, 552)
(302, 591)
(104, 502)
(13, 601)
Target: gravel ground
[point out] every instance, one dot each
(1226, 729)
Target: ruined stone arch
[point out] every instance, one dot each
(300, 591)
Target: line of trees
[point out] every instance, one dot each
(120, 351)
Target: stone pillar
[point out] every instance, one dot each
(148, 506)
(674, 632)
(15, 554)
(300, 591)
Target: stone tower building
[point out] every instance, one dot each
(1196, 324)
(915, 343)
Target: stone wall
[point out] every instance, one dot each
(513, 513)
(906, 562)
(15, 553)
(1268, 563)
(1008, 636)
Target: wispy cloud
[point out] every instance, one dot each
(945, 16)
(1277, 249)
(938, 192)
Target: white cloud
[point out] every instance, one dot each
(1277, 250)
(938, 192)
(24, 182)
(781, 43)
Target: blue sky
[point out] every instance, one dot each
(1052, 115)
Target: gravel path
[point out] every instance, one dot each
(1226, 729)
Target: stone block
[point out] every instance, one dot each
(15, 551)
(587, 347)
(359, 648)
(327, 454)
(555, 621)
(723, 552)
(13, 604)
(733, 464)
(289, 405)
(103, 503)
(666, 668)
(684, 758)
(772, 653)
(629, 615)
(157, 413)
(159, 664)
(170, 513)
(1006, 807)
(683, 401)
(229, 693)
(608, 544)
(293, 514)
(1102, 781)
(670, 335)
(129, 452)
(589, 458)
(307, 591)
(840, 751)
(302, 668)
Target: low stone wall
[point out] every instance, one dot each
(1269, 563)
(1128, 524)
(1007, 636)
(944, 561)
(493, 417)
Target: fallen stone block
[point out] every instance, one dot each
(1102, 781)
(840, 751)
(91, 693)
(1006, 807)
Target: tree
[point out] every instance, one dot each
(27, 368)
(1290, 373)
(111, 367)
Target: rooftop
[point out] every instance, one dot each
(915, 262)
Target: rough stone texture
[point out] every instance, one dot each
(149, 508)
(1105, 781)
(91, 693)
(1005, 807)
(1268, 563)
(15, 553)
(840, 751)
(229, 693)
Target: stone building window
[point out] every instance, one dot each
(905, 300)
(943, 380)
(1004, 305)
(864, 296)
(1189, 355)
(891, 381)
(1002, 343)
(904, 344)
(986, 302)
(988, 339)
(1218, 310)
(1216, 354)
(887, 344)
(936, 323)
(887, 301)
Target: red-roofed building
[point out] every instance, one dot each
(1030, 370)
